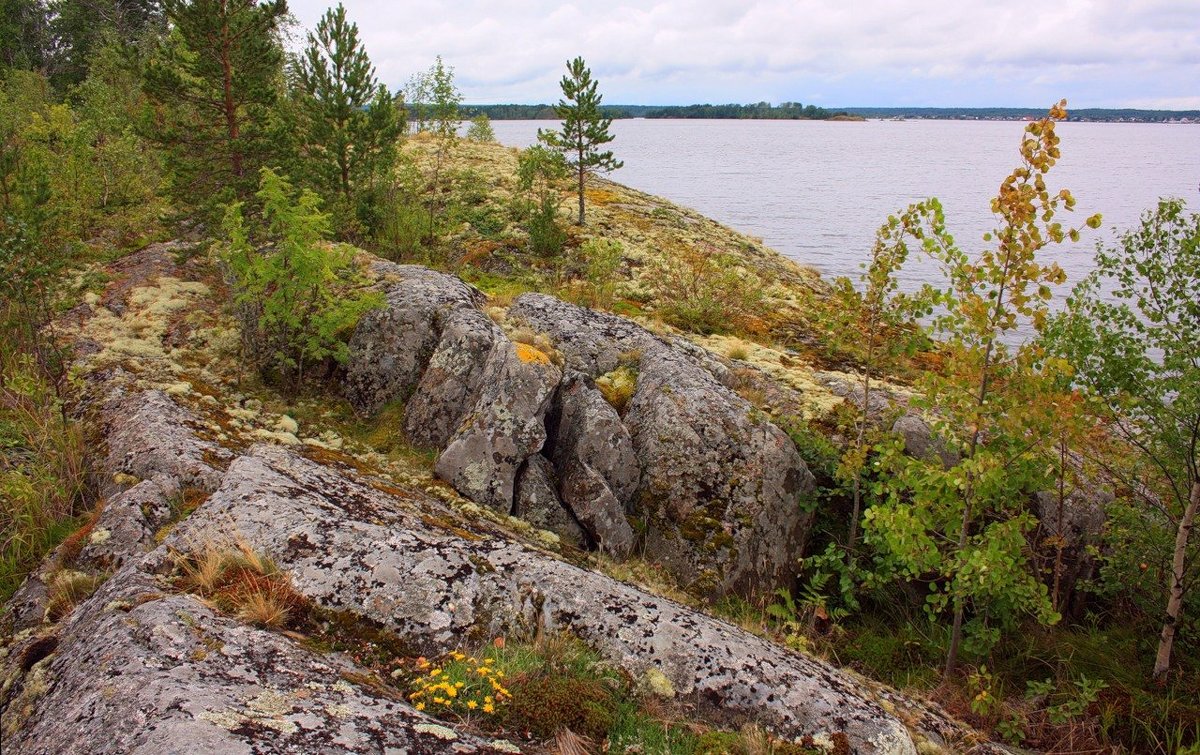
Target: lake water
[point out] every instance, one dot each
(817, 191)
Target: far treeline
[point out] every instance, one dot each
(798, 112)
(784, 111)
(1102, 114)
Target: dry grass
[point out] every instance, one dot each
(68, 589)
(43, 470)
(240, 581)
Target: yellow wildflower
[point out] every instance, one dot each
(489, 708)
(472, 704)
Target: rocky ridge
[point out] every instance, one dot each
(713, 486)
(391, 551)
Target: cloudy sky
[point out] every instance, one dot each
(1096, 53)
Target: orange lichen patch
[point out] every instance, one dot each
(73, 544)
(391, 490)
(601, 196)
(479, 251)
(531, 355)
(448, 526)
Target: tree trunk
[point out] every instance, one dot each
(1162, 661)
(1060, 539)
(581, 175)
(852, 539)
(230, 107)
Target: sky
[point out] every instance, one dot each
(969, 53)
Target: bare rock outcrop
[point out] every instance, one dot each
(139, 667)
(350, 546)
(594, 455)
(719, 484)
(137, 670)
(392, 345)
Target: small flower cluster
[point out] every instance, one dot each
(460, 684)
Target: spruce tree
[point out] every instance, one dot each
(584, 128)
(351, 123)
(215, 81)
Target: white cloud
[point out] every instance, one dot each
(1018, 52)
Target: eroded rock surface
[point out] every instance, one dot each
(136, 670)
(352, 547)
(504, 428)
(392, 345)
(720, 486)
(537, 502)
(596, 463)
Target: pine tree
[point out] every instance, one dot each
(584, 129)
(214, 82)
(351, 122)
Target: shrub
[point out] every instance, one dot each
(480, 129)
(602, 261)
(705, 291)
(547, 237)
(298, 298)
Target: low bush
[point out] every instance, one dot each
(704, 290)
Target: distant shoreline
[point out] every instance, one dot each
(793, 111)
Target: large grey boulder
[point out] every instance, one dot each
(537, 502)
(596, 463)
(504, 428)
(453, 378)
(392, 345)
(720, 486)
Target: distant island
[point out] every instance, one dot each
(790, 111)
(797, 111)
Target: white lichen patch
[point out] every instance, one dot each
(503, 745)
(135, 339)
(226, 719)
(437, 730)
(339, 711)
(788, 370)
(287, 424)
(282, 438)
(99, 536)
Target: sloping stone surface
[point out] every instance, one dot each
(352, 547)
(136, 671)
(149, 435)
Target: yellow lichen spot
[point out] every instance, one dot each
(601, 196)
(531, 355)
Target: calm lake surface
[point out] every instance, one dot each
(817, 191)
